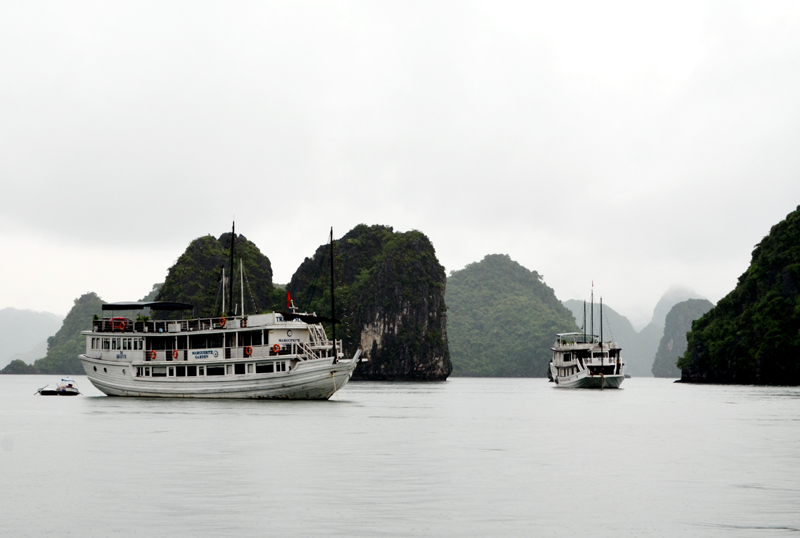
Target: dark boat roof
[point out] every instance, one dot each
(153, 305)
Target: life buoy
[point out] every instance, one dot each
(118, 324)
(153, 354)
(276, 348)
(174, 353)
(248, 351)
(222, 322)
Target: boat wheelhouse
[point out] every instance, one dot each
(277, 355)
(585, 361)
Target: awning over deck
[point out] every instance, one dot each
(153, 305)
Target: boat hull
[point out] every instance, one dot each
(584, 380)
(308, 380)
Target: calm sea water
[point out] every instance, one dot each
(467, 457)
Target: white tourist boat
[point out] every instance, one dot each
(284, 355)
(278, 355)
(585, 361)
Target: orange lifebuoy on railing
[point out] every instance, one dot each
(174, 353)
(118, 324)
(222, 322)
(248, 351)
(276, 348)
(152, 354)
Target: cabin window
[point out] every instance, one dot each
(191, 371)
(106, 343)
(201, 371)
(180, 371)
(250, 338)
(159, 371)
(215, 370)
(249, 368)
(147, 371)
(239, 369)
(171, 371)
(264, 368)
(229, 369)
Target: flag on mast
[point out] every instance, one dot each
(288, 300)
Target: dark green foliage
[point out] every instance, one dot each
(389, 297)
(673, 343)
(64, 347)
(502, 319)
(752, 336)
(196, 277)
(18, 366)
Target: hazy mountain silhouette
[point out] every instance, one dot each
(22, 332)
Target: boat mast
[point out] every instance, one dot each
(230, 285)
(241, 281)
(584, 321)
(223, 290)
(592, 315)
(333, 306)
(601, 329)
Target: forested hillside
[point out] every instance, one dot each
(502, 319)
(389, 297)
(196, 278)
(752, 336)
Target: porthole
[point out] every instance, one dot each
(105, 370)
(123, 371)
(95, 368)
(289, 332)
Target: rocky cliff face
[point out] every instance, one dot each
(673, 344)
(752, 336)
(390, 298)
(196, 277)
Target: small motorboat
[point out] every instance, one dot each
(65, 387)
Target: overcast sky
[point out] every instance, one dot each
(638, 145)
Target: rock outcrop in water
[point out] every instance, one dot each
(752, 336)
(673, 343)
(502, 319)
(390, 298)
(196, 277)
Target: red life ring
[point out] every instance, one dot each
(276, 348)
(248, 351)
(174, 353)
(222, 322)
(153, 354)
(118, 324)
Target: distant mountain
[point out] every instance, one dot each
(64, 347)
(673, 343)
(638, 348)
(752, 336)
(389, 297)
(502, 319)
(22, 333)
(673, 296)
